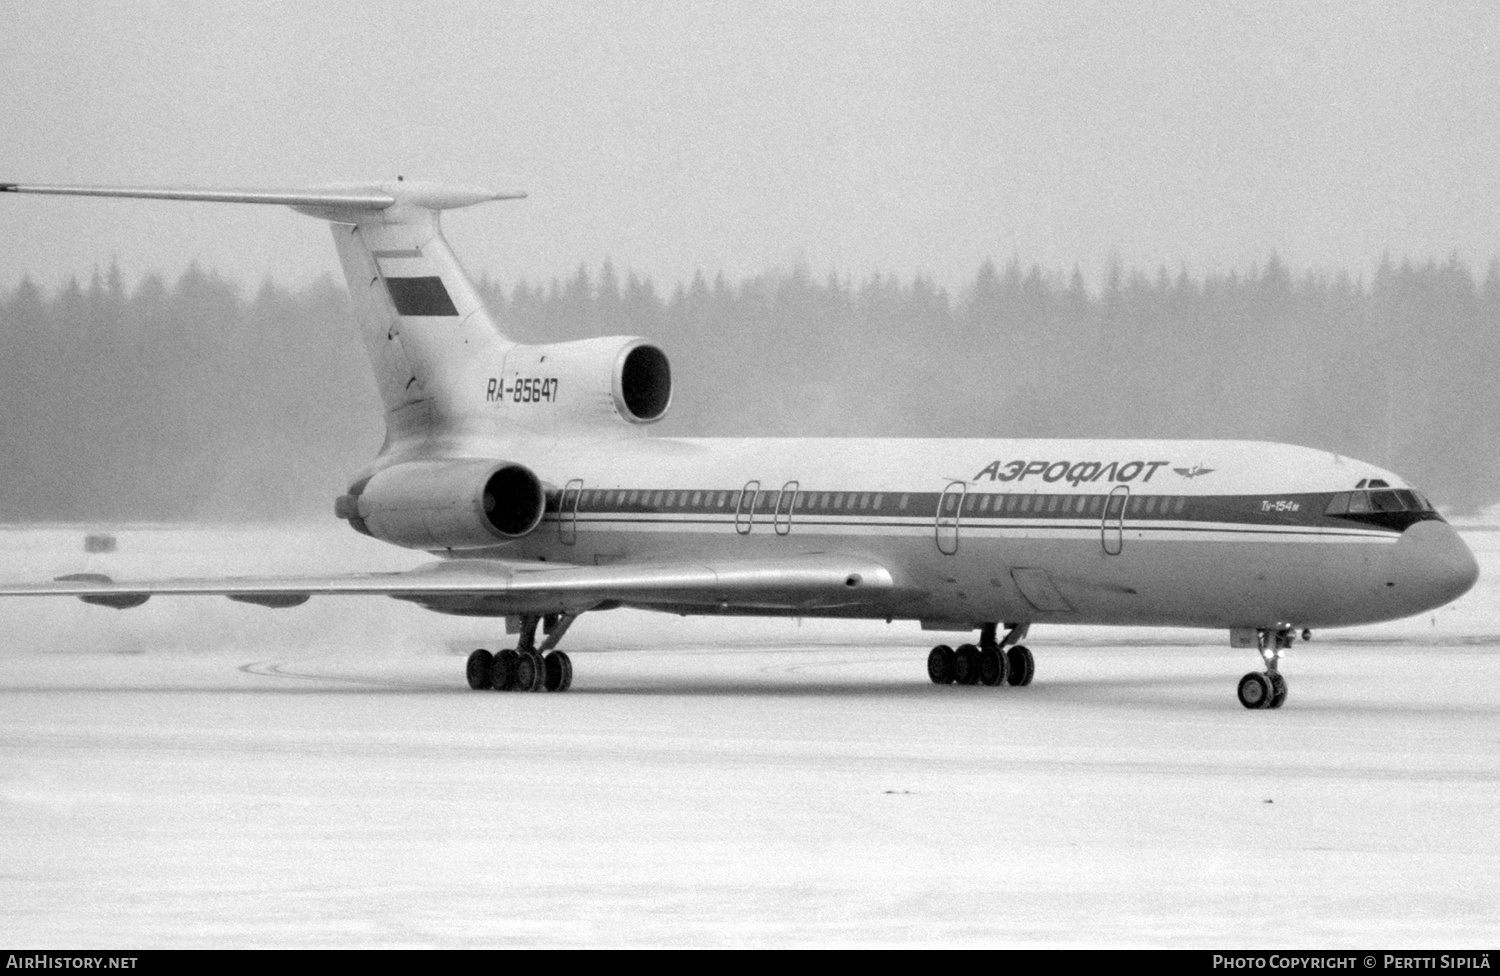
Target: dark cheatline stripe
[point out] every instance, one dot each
(1250, 511)
(420, 296)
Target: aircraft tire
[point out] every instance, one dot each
(559, 671)
(966, 665)
(991, 666)
(503, 675)
(940, 665)
(531, 673)
(1278, 690)
(480, 669)
(1255, 690)
(1022, 666)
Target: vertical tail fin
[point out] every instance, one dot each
(429, 337)
(427, 333)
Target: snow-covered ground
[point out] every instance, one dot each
(201, 773)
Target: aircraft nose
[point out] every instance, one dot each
(1433, 566)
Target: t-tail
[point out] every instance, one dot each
(457, 391)
(450, 380)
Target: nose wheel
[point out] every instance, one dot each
(1267, 689)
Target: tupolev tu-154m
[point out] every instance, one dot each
(528, 471)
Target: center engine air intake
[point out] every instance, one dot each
(643, 387)
(446, 504)
(582, 385)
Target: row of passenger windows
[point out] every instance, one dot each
(1372, 502)
(832, 502)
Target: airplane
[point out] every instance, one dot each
(528, 470)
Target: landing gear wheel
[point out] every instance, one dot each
(941, 665)
(559, 671)
(503, 673)
(966, 665)
(480, 666)
(1255, 690)
(992, 666)
(531, 673)
(1278, 690)
(1022, 666)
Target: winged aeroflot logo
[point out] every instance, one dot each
(1194, 471)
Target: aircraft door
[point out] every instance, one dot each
(949, 512)
(782, 519)
(1112, 527)
(567, 512)
(744, 509)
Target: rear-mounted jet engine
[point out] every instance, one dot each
(446, 504)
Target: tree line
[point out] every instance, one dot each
(200, 399)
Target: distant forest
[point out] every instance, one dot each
(198, 399)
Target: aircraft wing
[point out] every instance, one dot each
(496, 588)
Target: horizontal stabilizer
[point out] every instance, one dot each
(494, 588)
(337, 199)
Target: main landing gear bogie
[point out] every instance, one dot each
(526, 667)
(513, 670)
(991, 662)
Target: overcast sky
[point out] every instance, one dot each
(917, 137)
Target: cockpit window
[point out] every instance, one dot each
(1389, 507)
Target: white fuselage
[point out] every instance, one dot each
(1200, 533)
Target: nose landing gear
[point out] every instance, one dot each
(526, 667)
(1267, 689)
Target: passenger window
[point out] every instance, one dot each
(1151, 505)
(1180, 505)
(697, 497)
(878, 498)
(864, 502)
(1135, 504)
(1025, 503)
(904, 500)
